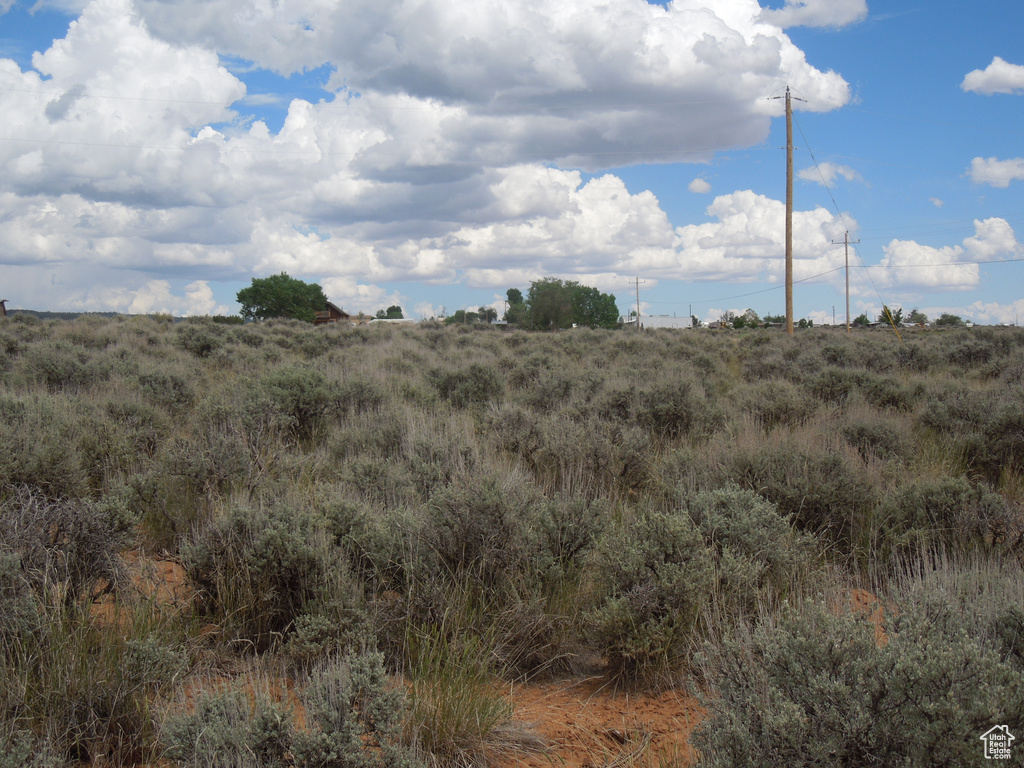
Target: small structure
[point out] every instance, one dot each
(332, 314)
(3, 307)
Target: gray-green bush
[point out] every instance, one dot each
(818, 687)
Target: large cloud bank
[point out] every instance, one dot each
(447, 146)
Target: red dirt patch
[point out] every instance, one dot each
(864, 603)
(586, 724)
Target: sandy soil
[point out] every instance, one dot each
(587, 724)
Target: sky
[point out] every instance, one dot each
(157, 155)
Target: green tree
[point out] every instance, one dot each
(281, 296)
(890, 316)
(516, 313)
(916, 317)
(592, 308)
(861, 319)
(461, 316)
(394, 312)
(748, 319)
(488, 314)
(550, 305)
(554, 303)
(948, 320)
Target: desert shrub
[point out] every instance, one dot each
(617, 403)
(257, 567)
(42, 446)
(888, 392)
(200, 336)
(229, 728)
(656, 576)
(331, 627)
(986, 428)
(777, 404)
(475, 384)
(66, 547)
(380, 546)
(569, 527)
(124, 438)
(916, 357)
(957, 410)
(436, 459)
(876, 437)
(360, 395)
(62, 366)
(758, 557)
(247, 337)
(514, 429)
(1002, 445)
(84, 688)
(21, 748)
(552, 388)
(355, 717)
(970, 351)
(167, 389)
(206, 466)
(947, 512)
(481, 529)
(817, 687)
(304, 396)
(822, 492)
(576, 456)
(673, 409)
(834, 385)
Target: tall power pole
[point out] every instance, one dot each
(638, 302)
(846, 243)
(789, 211)
(789, 214)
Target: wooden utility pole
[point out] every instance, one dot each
(789, 210)
(638, 302)
(789, 214)
(846, 243)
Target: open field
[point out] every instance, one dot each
(285, 545)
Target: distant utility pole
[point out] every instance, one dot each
(789, 211)
(846, 243)
(638, 302)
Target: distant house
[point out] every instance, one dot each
(332, 314)
(666, 321)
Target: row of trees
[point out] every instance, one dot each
(551, 303)
(284, 296)
(895, 317)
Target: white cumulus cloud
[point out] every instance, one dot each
(445, 147)
(817, 13)
(700, 186)
(826, 174)
(998, 77)
(996, 172)
(908, 264)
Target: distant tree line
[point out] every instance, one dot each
(552, 303)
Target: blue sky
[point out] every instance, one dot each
(156, 155)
